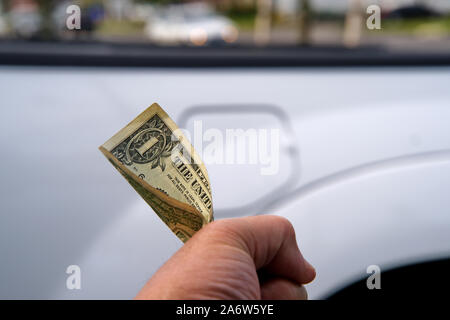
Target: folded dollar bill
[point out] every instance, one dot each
(155, 157)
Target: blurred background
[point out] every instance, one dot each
(407, 24)
(363, 116)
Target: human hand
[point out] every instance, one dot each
(241, 258)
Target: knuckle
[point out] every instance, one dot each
(219, 227)
(229, 231)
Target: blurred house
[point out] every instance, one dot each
(24, 18)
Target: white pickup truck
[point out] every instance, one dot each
(364, 168)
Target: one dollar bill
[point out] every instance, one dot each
(155, 157)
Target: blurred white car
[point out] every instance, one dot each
(193, 24)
